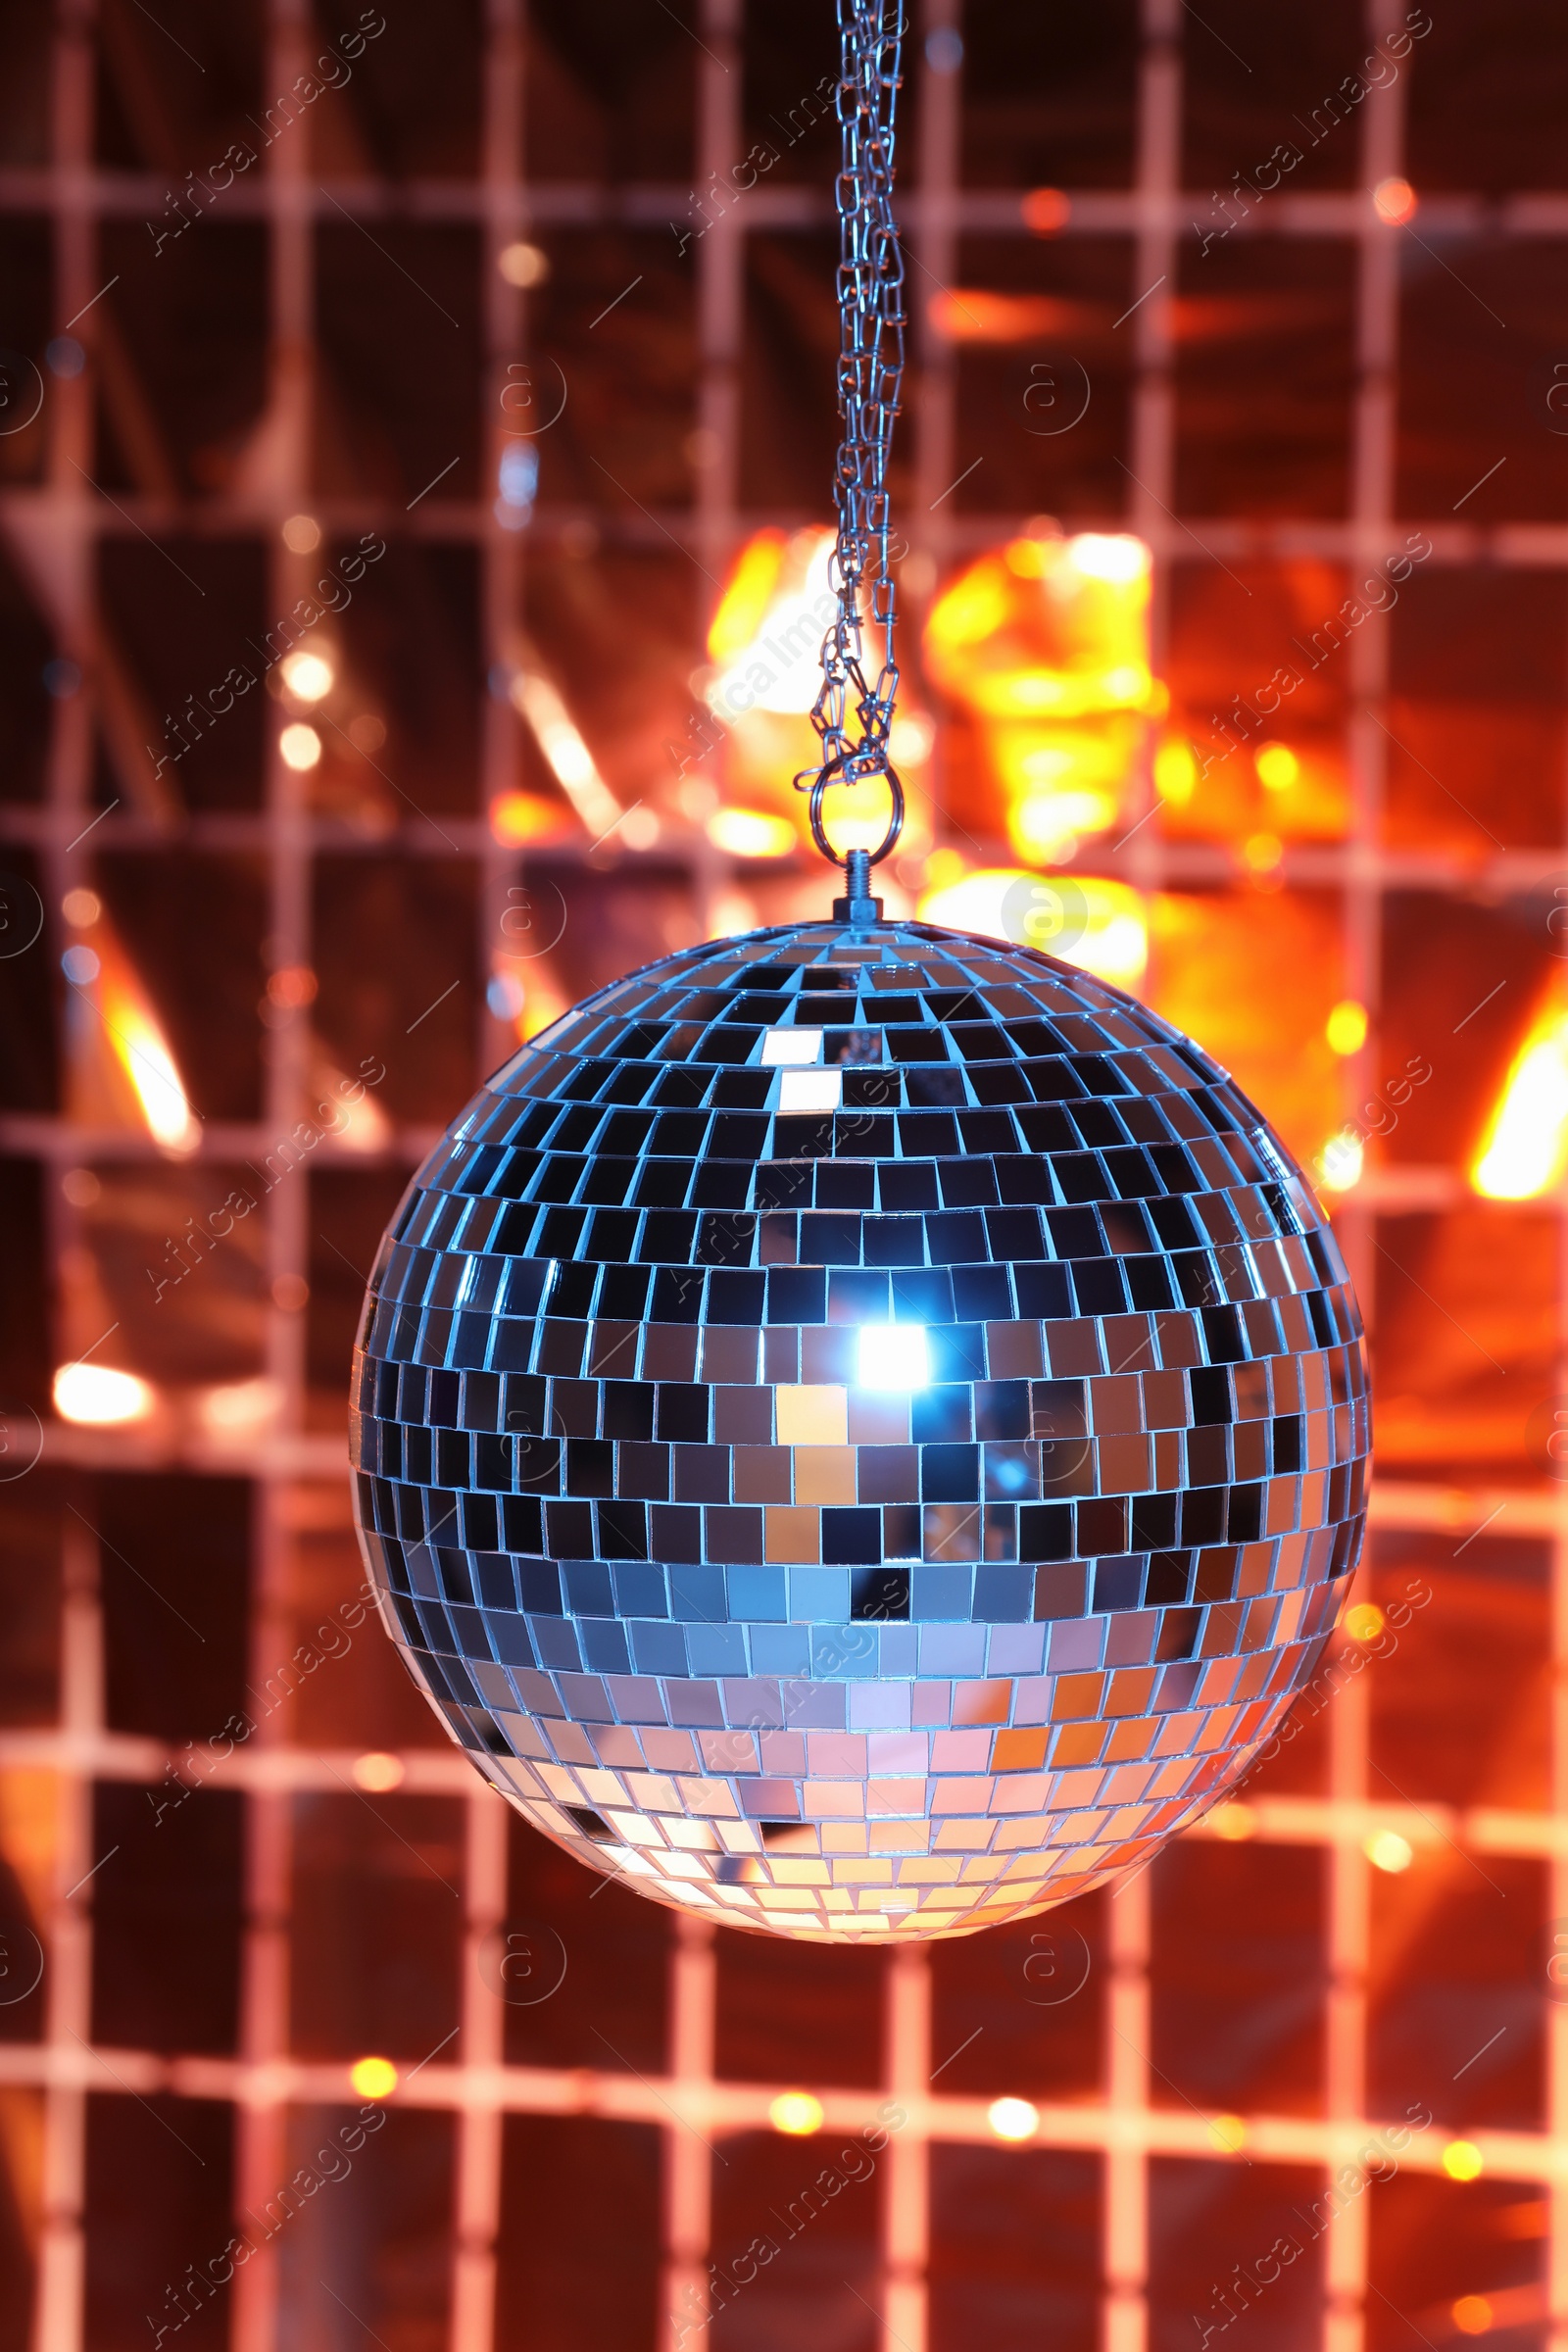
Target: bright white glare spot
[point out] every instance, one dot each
(894, 1355)
(92, 1394)
(1104, 556)
(308, 676)
(811, 1090)
(783, 1047)
(1013, 2118)
(300, 745)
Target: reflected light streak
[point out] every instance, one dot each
(571, 762)
(1525, 1148)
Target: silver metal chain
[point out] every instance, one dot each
(854, 713)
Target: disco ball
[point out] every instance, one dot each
(861, 1431)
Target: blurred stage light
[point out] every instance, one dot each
(309, 678)
(300, 747)
(1013, 2118)
(1386, 1851)
(1395, 200)
(1277, 766)
(523, 265)
(797, 2112)
(373, 2078)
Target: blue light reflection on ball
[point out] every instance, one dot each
(863, 1432)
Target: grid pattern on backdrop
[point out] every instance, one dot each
(1263, 2004)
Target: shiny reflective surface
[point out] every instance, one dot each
(726, 1597)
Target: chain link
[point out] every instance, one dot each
(853, 716)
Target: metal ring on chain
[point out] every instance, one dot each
(831, 775)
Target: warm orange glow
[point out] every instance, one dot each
(1097, 925)
(1472, 2314)
(750, 833)
(519, 817)
(1228, 2134)
(1345, 1027)
(1045, 641)
(376, 1772)
(974, 314)
(1365, 1621)
(1525, 1148)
